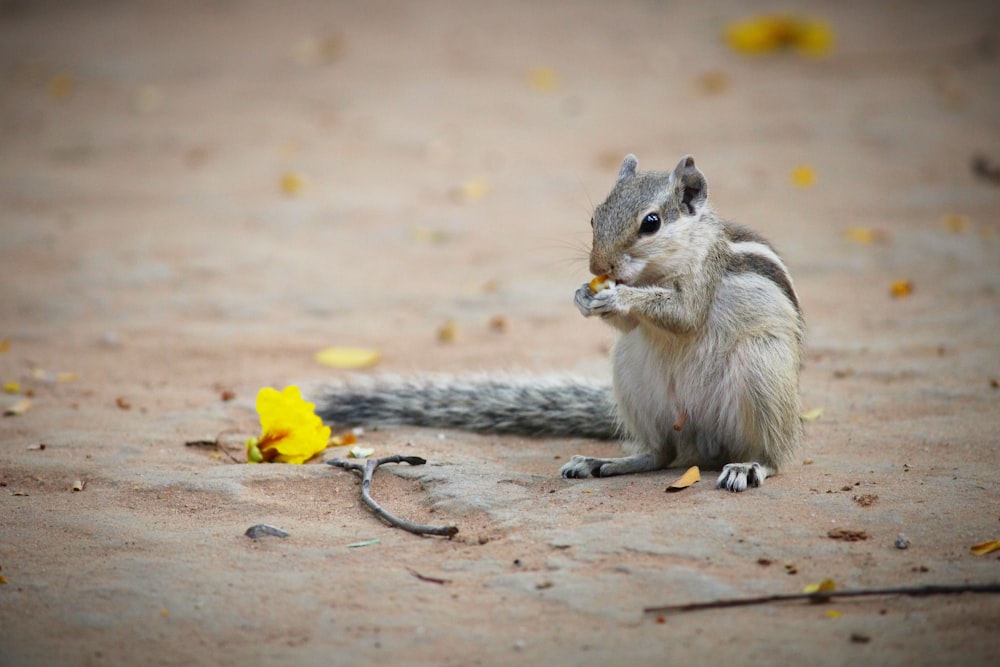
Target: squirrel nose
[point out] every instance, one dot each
(599, 268)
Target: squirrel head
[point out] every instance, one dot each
(644, 220)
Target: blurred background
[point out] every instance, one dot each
(365, 171)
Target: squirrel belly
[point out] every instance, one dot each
(539, 406)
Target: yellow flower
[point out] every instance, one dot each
(291, 432)
(767, 33)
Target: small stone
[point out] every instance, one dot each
(902, 541)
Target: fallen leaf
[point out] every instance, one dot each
(833, 613)
(812, 415)
(775, 32)
(18, 408)
(690, 476)
(901, 288)
(347, 357)
(473, 190)
(956, 224)
(11, 388)
(847, 535)
(61, 87)
(824, 586)
(4, 345)
(3, 579)
(985, 548)
(713, 82)
(864, 235)
(448, 332)
(543, 79)
(122, 403)
(293, 183)
(357, 452)
(498, 323)
(803, 176)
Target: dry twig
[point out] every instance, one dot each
(368, 470)
(825, 596)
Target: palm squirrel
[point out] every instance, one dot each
(705, 368)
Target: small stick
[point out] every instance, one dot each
(368, 471)
(825, 596)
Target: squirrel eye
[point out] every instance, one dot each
(650, 224)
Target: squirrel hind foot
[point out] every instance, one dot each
(738, 477)
(586, 466)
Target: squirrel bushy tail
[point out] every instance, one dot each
(554, 406)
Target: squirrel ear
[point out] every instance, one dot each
(690, 185)
(628, 167)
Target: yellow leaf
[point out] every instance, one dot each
(473, 190)
(448, 332)
(956, 224)
(813, 414)
(773, 32)
(823, 586)
(357, 452)
(900, 288)
(348, 357)
(864, 235)
(18, 408)
(543, 79)
(293, 183)
(61, 86)
(4, 345)
(291, 432)
(833, 613)
(803, 176)
(985, 547)
(11, 388)
(690, 476)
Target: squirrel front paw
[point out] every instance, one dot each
(583, 298)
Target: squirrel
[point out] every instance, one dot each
(705, 366)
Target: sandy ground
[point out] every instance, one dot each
(450, 154)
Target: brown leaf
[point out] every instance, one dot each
(985, 547)
(847, 535)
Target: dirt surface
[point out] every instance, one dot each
(449, 155)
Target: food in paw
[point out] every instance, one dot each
(601, 282)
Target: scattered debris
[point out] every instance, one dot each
(365, 543)
(430, 580)
(11, 388)
(690, 476)
(866, 499)
(860, 638)
(847, 535)
(498, 323)
(293, 183)
(77, 485)
(986, 169)
(38, 447)
(803, 176)
(768, 33)
(122, 403)
(357, 452)
(824, 596)
(261, 529)
(902, 542)
(865, 235)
